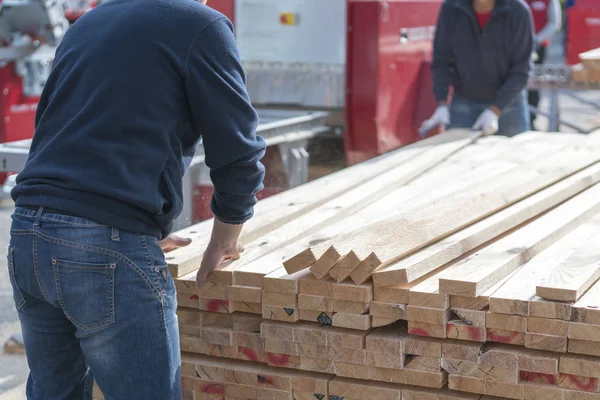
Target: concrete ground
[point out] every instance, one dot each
(13, 368)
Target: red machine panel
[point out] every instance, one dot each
(226, 7)
(388, 83)
(18, 111)
(583, 29)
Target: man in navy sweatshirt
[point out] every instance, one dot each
(483, 49)
(135, 86)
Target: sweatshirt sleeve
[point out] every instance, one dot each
(553, 24)
(520, 58)
(442, 56)
(222, 113)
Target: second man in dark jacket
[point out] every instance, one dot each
(483, 49)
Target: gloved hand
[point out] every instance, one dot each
(441, 116)
(487, 123)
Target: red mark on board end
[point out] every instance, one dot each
(212, 388)
(248, 353)
(419, 332)
(498, 338)
(536, 377)
(473, 332)
(581, 382)
(278, 359)
(214, 305)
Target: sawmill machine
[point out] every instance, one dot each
(30, 30)
(365, 61)
(582, 28)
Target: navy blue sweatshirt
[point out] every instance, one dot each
(490, 65)
(135, 86)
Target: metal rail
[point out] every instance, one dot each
(558, 80)
(286, 129)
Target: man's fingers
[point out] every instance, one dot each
(232, 256)
(173, 242)
(179, 241)
(213, 258)
(200, 278)
(210, 261)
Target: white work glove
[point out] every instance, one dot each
(487, 122)
(441, 116)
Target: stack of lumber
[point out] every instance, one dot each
(589, 68)
(456, 268)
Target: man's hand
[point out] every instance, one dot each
(173, 242)
(487, 122)
(223, 246)
(441, 116)
(213, 257)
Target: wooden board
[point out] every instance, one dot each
(514, 296)
(273, 247)
(483, 270)
(587, 309)
(404, 174)
(253, 273)
(576, 274)
(452, 247)
(386, 242)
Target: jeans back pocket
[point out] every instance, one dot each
(86, 292)
(17, 295)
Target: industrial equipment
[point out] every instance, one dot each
(367, 61)
(76, 8)
(582, 29)
(30, 30)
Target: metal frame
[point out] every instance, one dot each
(13, 155)
(554, 112)
(290, 131)
(558, 80)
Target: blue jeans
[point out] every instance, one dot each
(94, 303)
(515, 117)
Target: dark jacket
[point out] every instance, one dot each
(135, 85)
(490, 65)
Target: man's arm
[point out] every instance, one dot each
(224, 116)
(442, 57)
(520, 59)
(553, 24)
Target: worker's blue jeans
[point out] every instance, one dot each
(94, 303)
(515, 117)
